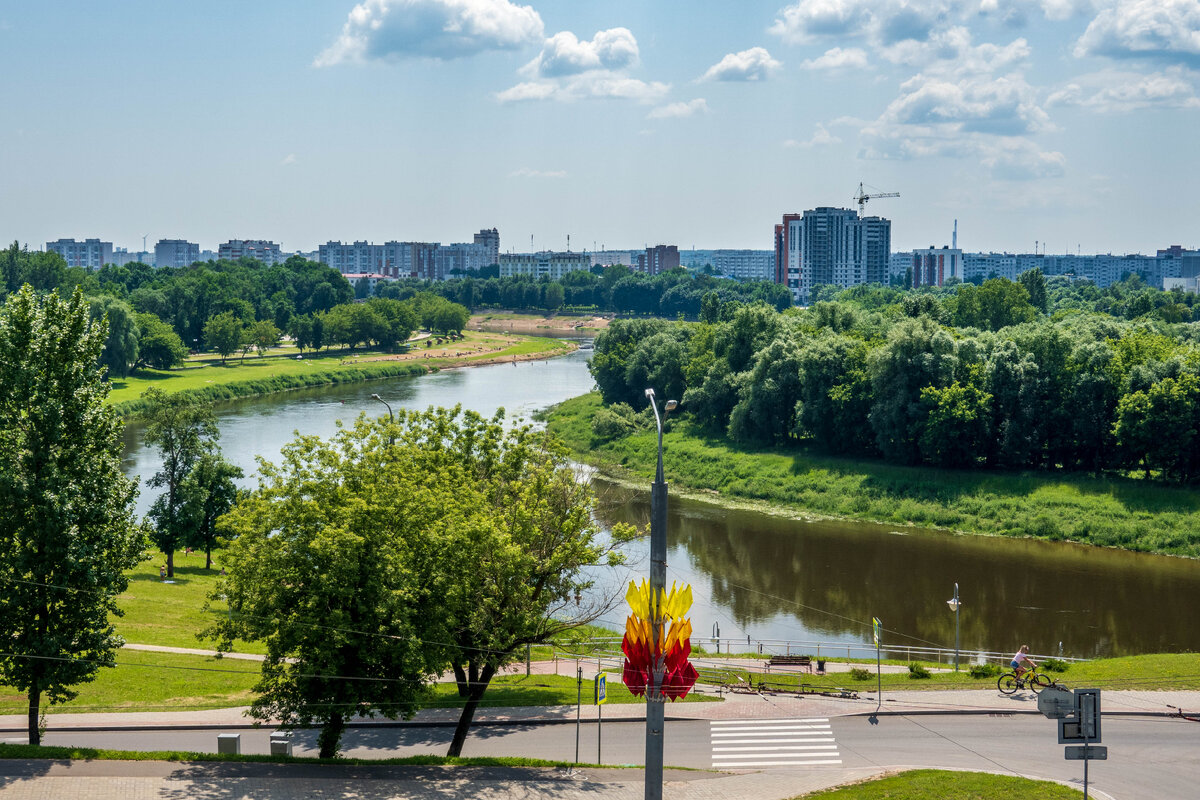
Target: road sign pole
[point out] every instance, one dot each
(1085, 770)
(599, 728)
(578, 707)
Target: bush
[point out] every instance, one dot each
(860, 674)
(614, 422)
(917, 671)
(1054, 665)
(984, 670)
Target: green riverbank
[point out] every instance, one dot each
(1125, 513)
(210, 379)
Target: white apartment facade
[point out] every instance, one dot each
(544, 264)
(89, 254)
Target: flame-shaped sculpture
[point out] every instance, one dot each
(674, 643)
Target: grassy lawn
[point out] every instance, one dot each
(281, 370)
(1161, 671)
(154, 682)
(1115, 512)
(921, 784)
(545, 690)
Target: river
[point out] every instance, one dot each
(772, 578)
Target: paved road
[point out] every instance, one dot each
(1149, 756)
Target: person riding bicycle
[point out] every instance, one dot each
(1022, 657)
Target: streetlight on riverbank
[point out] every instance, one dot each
(385, 402)
(655, 707)
(954, 604)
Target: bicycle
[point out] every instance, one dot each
(1031, 678)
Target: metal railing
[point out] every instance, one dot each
(609, 649)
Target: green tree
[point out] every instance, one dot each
(442, 540)
(765, 412)
(956, 431)
(1035, 284)
(208, 492)
(68, 533)
(183, 430)
(263, 335)
(159, 346)
(121, 344)
(301, 330)
(918, 354)
(223, 333)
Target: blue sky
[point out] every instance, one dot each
(1070, 122)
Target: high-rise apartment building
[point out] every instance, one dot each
(933, 267)
(831, 246)
(175, 253)
(660, 258)
(266, 252)
(489, 240)
(89, 254)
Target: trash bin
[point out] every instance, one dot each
(281, 744)
(820, 666)
(229, 743)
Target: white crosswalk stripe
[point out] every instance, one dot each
(743, 743)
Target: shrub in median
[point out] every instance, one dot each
(917, 671)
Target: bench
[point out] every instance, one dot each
(804, 662)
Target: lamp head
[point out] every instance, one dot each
(376, 397)
(672, 405)
(954, 604)
(649, 393)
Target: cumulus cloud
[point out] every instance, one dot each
(587, 85)
(676, 110)
(820, 138)
(390, 30)
(754, 64)
(1162, 29)
(1111, 91)
(807, 20)
(1003, 106)
(288, 160)
(837, 58)
(525, 172)
(884, 22)
(564, 54)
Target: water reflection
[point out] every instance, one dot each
(775, 578)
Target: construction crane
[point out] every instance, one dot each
(862, 197)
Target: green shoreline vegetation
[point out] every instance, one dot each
(1113, 512)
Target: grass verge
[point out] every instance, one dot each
(921, 784)
(1112, 512)
(24, 751)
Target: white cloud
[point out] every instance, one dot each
(288, 160)
(676, 110)
(564, 54)
(837, 58)
(1110, 91)
(754, 64)
(525, 172)
(1167, 29)
(820, 138)
(1004, 106)
(390, 30)
(587, 85)
(806, 20)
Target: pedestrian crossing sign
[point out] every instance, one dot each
(601, 689)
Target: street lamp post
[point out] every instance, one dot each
(954, 604)
(655, 708)
(391, 418)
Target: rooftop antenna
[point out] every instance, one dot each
(954, 238)
(568, 242)
(144, 235)
(531, 244)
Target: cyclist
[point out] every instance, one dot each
(1022, 657)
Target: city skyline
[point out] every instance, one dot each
(619, 124)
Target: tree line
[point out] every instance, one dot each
(975, 377)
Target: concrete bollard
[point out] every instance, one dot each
(229, 743)
(281, 744)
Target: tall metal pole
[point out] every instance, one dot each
(655, 709)
(956, 605)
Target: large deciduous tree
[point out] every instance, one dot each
(183, 430)
(371, 562)
(68, 532)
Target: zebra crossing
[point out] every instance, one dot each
(740, 743)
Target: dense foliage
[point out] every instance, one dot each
(968, 376)
(616, 289)
(68, 533)
(371, 562)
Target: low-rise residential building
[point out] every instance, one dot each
(660, 258)
(744, 265)
(543, 264)
(265, 251)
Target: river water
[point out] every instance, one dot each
(772, 578)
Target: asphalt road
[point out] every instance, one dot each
(1149, 757)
